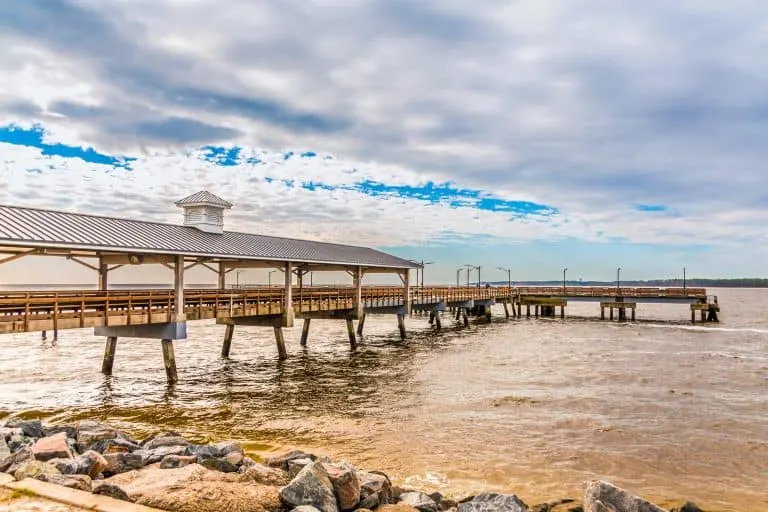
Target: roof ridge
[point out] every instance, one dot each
(204, 196)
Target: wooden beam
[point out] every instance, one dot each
(19, 255)
(83, 263)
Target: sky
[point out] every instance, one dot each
(536, 136)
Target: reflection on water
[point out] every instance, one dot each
(535, 407)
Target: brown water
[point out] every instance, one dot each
(666, 409)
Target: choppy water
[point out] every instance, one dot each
(664, 408)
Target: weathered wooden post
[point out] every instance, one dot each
(169, 361)
(228, 334)
(282, 354)
(506, 310)
(602, 312)
(179, 316)
(633, 314)
(305, 332)
(351, 333)
(611, 312)
(222, 284)
(360, 324)
(109, 355)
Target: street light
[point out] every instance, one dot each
(683, 278)
(458, 276)
(509, 276)
(564, 271)
(237, 278)
(618, 278)
(269, 277)
(422, 270)
(469, 271)
(478, 275)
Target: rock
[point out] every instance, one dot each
(296, 465)
(16, 460)
(4, 450)
(165, 441)
(18, 441)
(305, 508)
(220, 464)
(312, 486)
(116, 445)
(688, 507)
(111, 490)
(32, 468)
(29, 428)
(234, 458)
(90, 463)
(79, 482)
(419, 500)
(88, 432)
(69, 431)
(158, 454)
(194, 488)
(52, 447)
(213, 451)
(261, 474)
(281, 461)
(553, 506)
(600, 496)
(375, 484)
(176, 461)
(369, 502)
(493, 502)
(346, 486)
(122, 462)
(400, 507)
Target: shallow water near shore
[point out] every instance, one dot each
(663, 408)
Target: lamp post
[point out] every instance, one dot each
(458, 276)
(564, 271)
(269, 277)
(422, 270)
(509, 277)
(683, 278)
(469, 271)
(618, 279)
(478, 275)
(237, 277)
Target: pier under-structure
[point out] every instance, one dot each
(104, 244)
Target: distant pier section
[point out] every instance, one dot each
(106, 244)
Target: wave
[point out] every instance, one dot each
(754, 330)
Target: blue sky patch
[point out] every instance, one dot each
(33, 137)
(651, 208)
(221, 155)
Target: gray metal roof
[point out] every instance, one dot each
(31, 227)
(204, 197)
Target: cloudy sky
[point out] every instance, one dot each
(587, 134)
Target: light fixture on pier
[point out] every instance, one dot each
(509, 276)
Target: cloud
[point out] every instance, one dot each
(575, 115)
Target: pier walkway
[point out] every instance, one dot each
(106, 244)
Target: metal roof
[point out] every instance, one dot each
(32, 227)
(204, 197)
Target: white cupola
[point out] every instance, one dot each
(204, 211)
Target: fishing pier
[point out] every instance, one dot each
(105, 244)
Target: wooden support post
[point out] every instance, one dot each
(693, 316)
(562, 312)
(633, 314)
(406, 278)
(103, 274)
(438, 325)
(222, 276)
(109, 355)
(458, 314)
(360, 325)
(519, 310)
(282, 354)
(358, 284)
(178, 291)
(288, 317)
(528, 311)
(465, 316)
(506, 310)
(401, 325)
(602, 313)
(611, 313)
(703, 317)
(487, 313)
(43, 335)
(351, 333)
(537, 311)
(169, 360)
(305, 332)
(228, 333)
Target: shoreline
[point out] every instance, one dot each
(98, 458)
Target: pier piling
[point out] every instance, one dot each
(169, 360)
(282, 354)
(227, 345)
(360, 325)
(305, 331)
(351, 333)
(401, 325)
(109, 355)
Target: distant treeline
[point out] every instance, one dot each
(747, 282)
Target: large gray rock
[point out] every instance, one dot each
(296, 465)
(281, 461)
(375, 489)
(116, 445)
(14, 461)
(229, 450)
(122, 462)
(89, 432)
(493, 502)
(90, 463)
(4, 450)
(70, 431)
(52, 447)
(79, 482)
(17, 441)
(261, 474)
(158, 454)
(157, 442)
(176, 461)
(600, 496)
(312, 486)
(33, 468)
(418, 500)
(346, 486)
(220, 464)
(29, 428)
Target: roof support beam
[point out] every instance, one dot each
(81, 262)
(19, 255)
